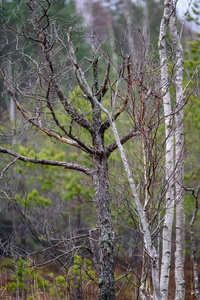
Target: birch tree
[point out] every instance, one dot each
(169, 156)
(179, 160)
(169, 17)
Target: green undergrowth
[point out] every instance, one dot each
(21, 279)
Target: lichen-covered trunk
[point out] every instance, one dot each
(102, 197)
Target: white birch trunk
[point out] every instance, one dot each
(145, 25)
(9, 101)
(12, 110)
(126, 8)
(111, 34)
(169, 215)
(179, 161)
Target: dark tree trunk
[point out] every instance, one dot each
(102, 196)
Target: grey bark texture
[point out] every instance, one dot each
(102, 199)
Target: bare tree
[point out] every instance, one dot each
(36, 91)
(160, 288)
(124, 105)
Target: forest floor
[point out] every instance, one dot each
(50, 283)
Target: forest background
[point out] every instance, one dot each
(48, 214)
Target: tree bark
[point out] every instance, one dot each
(102, 198)
(169, 157)
(179, 160)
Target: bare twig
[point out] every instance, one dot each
(6, 168)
